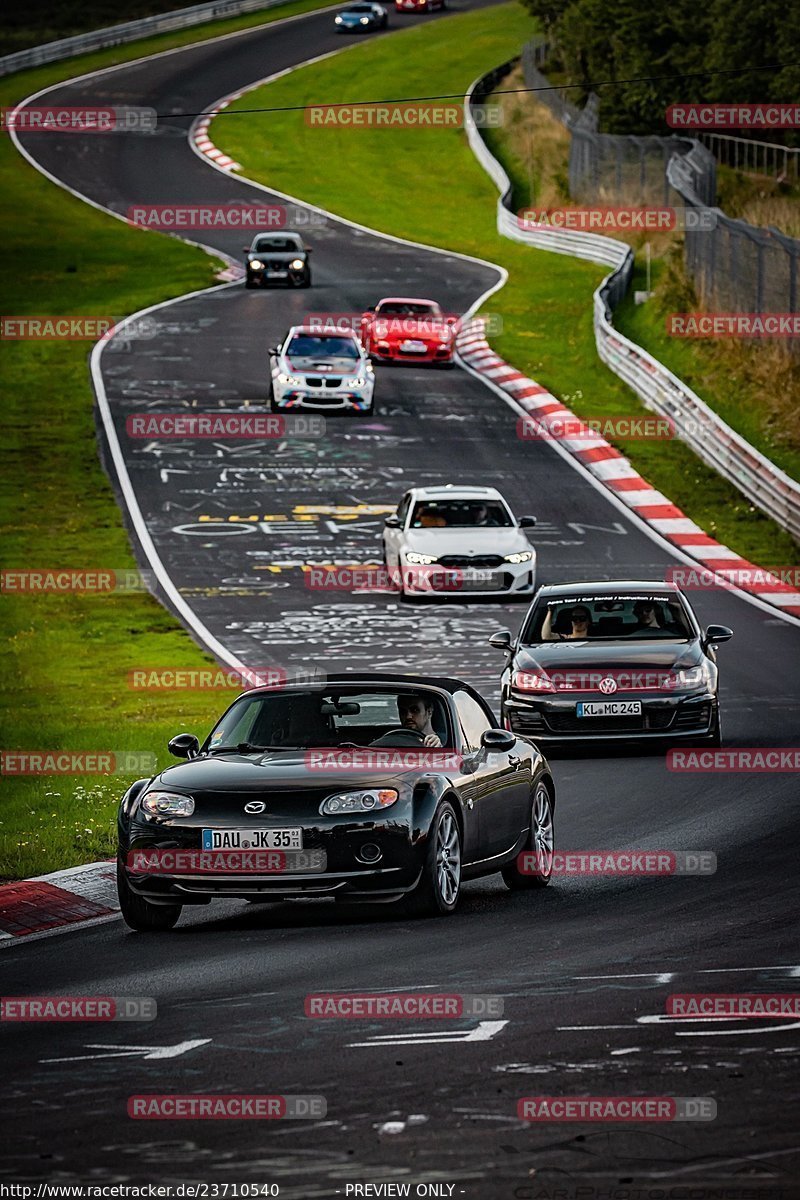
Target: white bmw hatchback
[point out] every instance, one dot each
(459, 539)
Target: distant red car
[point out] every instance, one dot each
(399, 329)
(418, 5)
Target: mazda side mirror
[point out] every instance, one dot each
(393, 522)
(716, 634)
(501, 640)
(498, 741)
(185, 745)
(527, 522)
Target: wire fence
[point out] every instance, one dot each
(754, 157)
(734, 266)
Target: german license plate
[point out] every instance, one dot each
(252, 839)
(413, 347)
(277, 274)
(610, 708)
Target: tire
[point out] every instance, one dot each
(250, 283)
(437, 893)
(540, 839)
(140, 914)
(273, 403)
(307, 281)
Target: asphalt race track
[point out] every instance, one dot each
(584, 967)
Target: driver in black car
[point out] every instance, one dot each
(415, 713)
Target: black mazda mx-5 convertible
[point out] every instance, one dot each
(362, 788)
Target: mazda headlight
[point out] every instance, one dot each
(297, 264)
(520, 557)
(420, 560)
(686, 679)
(167, 804)
(256, 264)
(358, 802)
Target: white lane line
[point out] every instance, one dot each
(484, 1032)
(660, 977)
(146, 1052)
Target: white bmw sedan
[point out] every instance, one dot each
(459, 539)
(324, 371)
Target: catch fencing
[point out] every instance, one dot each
(719, 446)
(734, 266)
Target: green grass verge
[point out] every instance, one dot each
(67, 657)
(427, 186)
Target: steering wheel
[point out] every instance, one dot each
(408, 737)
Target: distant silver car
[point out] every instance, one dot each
(361, 18)
(277, 257)
(459, 539)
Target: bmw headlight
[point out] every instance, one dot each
(167, 804)
(420, 560)
(687, 679)
(256, 264)
(289, 380)
(297, 264)
(358, 802)
(359, 381)
(522, 556)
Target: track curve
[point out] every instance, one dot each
(238, 976)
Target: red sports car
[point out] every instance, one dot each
(418, 5)
(399, 329)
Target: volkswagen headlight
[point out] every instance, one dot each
(358, 802)
(256, 264)
(687, 679)
(365, 20)
(420, 560)
(520, 557)
(167, 804)
(338, 20)
(297, 264)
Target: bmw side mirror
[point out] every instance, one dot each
(185, 745)
(393, 522)
(501, 640)
(497, 741)
(716, 634)
(274, 350)
(527, 522)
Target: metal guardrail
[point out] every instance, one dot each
(703, 430)
(130, 31)
(753, 157)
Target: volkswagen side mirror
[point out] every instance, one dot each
(501, 640)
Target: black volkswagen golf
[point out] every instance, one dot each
(362, 788)
(612, 662)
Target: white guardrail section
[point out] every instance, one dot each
(131, 31)
(719, 446)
